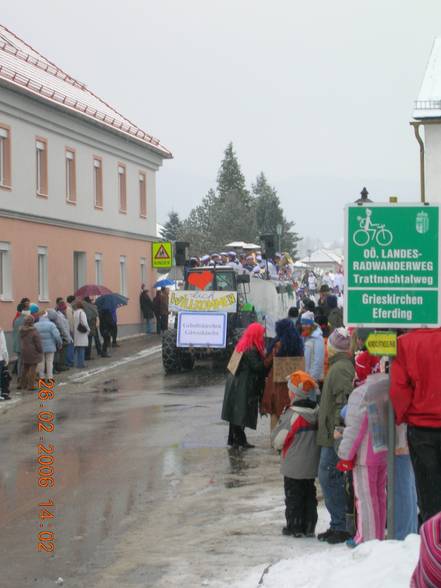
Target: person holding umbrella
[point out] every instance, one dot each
(107, 306)
(146, 305)
(91, 311)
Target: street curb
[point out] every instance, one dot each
(84, 375)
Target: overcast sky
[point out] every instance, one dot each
(318, 95)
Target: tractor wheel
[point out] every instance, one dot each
(170, 353)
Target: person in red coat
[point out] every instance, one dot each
(416, 397)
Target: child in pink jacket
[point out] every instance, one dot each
(356, 452)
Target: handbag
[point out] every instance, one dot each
(81, 328)
(283, 367)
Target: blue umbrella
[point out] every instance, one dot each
(111, 301)
(164, 283)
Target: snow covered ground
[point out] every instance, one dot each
(375, 564)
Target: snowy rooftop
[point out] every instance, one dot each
(23, 68)
(428, 104)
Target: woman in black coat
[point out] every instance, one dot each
(244, 389)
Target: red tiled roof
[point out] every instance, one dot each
(25, 68)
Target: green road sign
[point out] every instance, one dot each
(392, 265)
(162, 254)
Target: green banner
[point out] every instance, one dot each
(392, 265)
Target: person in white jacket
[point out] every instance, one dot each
(4, 358)
(81, 334)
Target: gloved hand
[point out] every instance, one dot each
(345, 465)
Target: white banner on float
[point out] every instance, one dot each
(202, 329)
(200, 301)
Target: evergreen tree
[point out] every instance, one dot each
(198, 228)
(172, 227)
(269, 214)
(230, 176)
(233, 211)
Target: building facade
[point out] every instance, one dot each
(77, 189)
(427, 127)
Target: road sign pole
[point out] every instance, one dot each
(390, 469)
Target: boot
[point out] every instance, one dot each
(337, 537)
(310, 529)
(296, 526)
(324, 536)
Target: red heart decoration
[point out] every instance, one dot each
(200, 279)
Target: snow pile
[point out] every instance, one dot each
(388, 564)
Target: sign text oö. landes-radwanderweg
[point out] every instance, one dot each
(392, 265)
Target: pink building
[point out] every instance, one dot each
(77, 188)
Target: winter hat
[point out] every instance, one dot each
(324, 288)
(428, 570)
(365, 365)
(307, 318)
(34, 308)
(301, 386)
(331, 301)
(309, 304)
(340, 339)
(28, 321)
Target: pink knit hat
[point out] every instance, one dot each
(340, 339)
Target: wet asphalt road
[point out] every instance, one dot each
(146, 493)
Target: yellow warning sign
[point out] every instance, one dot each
(162, 254)
(380, 343)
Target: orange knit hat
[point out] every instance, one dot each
(302, 386)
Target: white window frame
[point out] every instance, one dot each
(5, 155)
(123, 275)
(40, 147)
(5, 272)
(97, 165)
(43, 273)
(4, 134)
(142, 188)
(99, 269)
(70, 172)
(143, 269)
(122, 188)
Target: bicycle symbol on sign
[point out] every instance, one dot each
(369, 232)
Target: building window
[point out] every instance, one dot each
(80, 269)
(5, 272)
(43, 275)
(98, 182)
(98, 268)
(41, 163)
(123, 275)
(5, 156)
(71, 182)
(143, 267)
(142, 195)
(122, 188)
